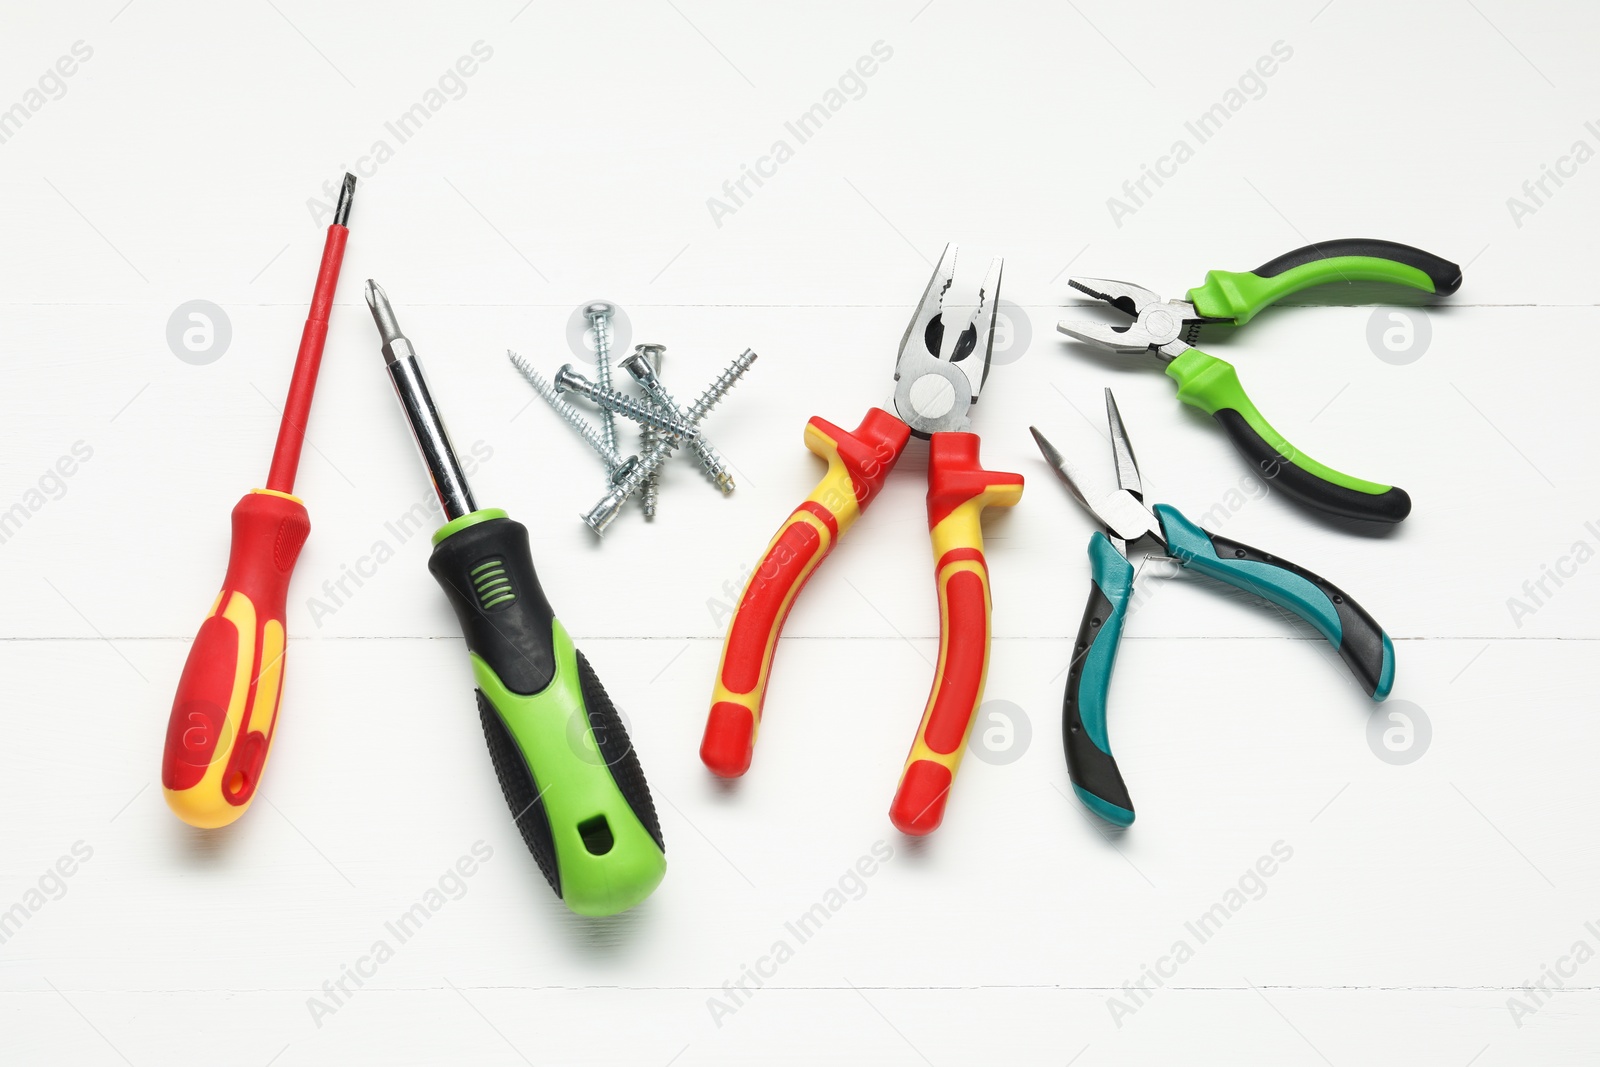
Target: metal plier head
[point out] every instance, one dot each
(944, 355)
(1122, 511)
(1166, 327)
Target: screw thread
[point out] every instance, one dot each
(622, 404)
(602, 373)
(650, 496)
(649, 462)
(711, 460)
(573, 417)
(601, 515)
(720, 388)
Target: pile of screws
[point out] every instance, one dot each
(664, 424)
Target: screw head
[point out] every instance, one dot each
(565, 377)
(601, 515)
(600, 309)
(624, 469)
(650, 352)
(637, 366)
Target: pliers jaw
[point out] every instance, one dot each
(945, 352)
(1121, 511)
(1165, 327)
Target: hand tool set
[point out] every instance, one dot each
(1169, 328)
(226, 709)
(1362, 644)
(943, 361)
(588, 821)
(663, 423)
(565, 763)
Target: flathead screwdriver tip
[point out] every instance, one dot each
(341, 212)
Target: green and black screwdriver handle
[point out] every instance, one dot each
(565, 763)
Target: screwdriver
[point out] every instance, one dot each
(565, 763)
(226, 710)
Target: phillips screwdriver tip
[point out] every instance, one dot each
(383, 315)
(341, 213)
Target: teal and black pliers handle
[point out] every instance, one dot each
(1170, 327)
(1360, 641)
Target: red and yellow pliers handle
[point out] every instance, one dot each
(958, 491)
(858, 464)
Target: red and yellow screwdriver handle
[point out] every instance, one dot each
(858, 465)
(227, 702)
(958, 491)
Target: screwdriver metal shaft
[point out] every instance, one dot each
(449, 481)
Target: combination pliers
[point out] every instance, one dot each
(943, 362)
(1169, 328)
(1361, 642)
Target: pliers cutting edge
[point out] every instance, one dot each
(1361, 642)
(1169, 328)
(942, 364)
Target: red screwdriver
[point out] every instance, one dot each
(226, 710)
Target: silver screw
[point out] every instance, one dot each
(622, 404)
(599, 315)
(714, 465)
(601, 515)
(585, 428)
(650, 497)
(718, 389)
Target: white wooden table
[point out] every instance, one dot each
(1409, 902)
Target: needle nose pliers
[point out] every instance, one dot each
(1169, 328)
(1361, 642)
(943, 362)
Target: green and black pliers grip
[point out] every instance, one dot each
(1170, 327)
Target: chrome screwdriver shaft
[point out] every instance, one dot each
(449, 481)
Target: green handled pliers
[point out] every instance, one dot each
(1360, 641)
(1169, 329)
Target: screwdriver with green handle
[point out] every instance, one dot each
(565, 762)
(1169, 328)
